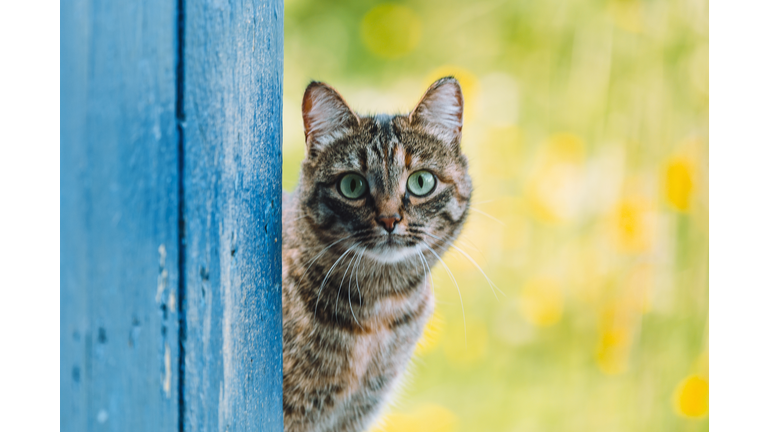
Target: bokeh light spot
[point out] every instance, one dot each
(461, 351)
(566, 147)
(426, 418)
(639, 285)
(556, 182)
(613, 350)
(633, 224)
(678, 181)
(541, 302)
(692, 397)
(627, 14)
(498, 100)
(504, 163)
(390, 30)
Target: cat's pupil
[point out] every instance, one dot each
(353, 186)
(421, 181)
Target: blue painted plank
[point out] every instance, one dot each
(233, 64)
(119, 216)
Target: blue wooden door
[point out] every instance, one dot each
(170, 215)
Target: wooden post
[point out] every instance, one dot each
(170, 215)
(119, 216)
(233, 68)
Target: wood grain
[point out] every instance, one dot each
(119, 216)
(233, 68)
(171, 123)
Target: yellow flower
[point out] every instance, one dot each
(616, 335)
(613, 350)
(633, 225)
(391, 30)
(678, 183)
(541, 302)
(426, 418)
(565, 147)
(692, 397)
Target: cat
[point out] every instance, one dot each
(379, 199)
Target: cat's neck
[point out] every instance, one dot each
(341, 283)
(352, 266)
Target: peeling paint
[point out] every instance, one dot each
(102, 416)
(162, 278)
(162, 283)
(163, 254)
(168, 372)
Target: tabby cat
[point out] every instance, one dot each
(379, 199)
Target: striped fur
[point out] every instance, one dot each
(355, 297)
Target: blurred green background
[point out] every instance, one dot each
(586, 126)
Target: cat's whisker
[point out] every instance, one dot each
(466, 255)
(357, 282)
(490, 282)
(463, 316)
(363, 233)
(468, 243)
(313, 260)
(300, 217)
(349, 288)
(486, 201)
(328, 274)
(365, 240)
(487, 215)
(336, 308)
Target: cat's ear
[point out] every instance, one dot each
(441, 110)
(327, 117)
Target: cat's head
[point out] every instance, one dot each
(388, 185)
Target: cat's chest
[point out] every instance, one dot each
(377, 357)
(367, 357)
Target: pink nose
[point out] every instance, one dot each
(389, 221)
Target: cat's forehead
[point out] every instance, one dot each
(388, 143)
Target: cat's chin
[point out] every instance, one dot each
(391, 254)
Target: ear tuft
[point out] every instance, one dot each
(327, 117)
(441, 110)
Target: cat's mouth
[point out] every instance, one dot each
(395, 241)
(392, 248)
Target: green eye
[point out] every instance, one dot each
(421, 183)
(352, 186)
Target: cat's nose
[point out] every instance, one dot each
(389, 221)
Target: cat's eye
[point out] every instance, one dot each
(421, 183)
(352, 186)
